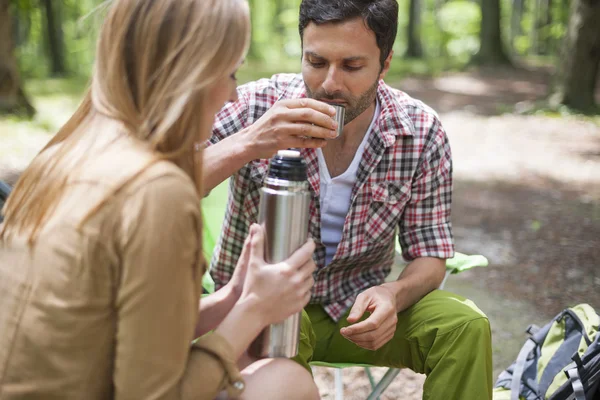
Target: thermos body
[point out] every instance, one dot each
(284, 216)
(283, 213)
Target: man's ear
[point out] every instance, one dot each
(386, 65)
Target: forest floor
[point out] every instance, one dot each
(527, 196)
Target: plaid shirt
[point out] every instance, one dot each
(403, 184)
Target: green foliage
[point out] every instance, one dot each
(80, 23)
(459, 21)
(291, 39)
(449, 32)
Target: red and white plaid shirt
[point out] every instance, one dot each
(404, 181)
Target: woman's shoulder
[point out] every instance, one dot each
(161, 179)
(128, 165)
(132, 176)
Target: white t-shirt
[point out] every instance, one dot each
(336, 194)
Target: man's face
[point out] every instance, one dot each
(340, 64)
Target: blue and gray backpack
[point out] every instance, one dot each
(4, 192)
(560, 361)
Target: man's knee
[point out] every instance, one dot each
(450, 311)
(468, 321)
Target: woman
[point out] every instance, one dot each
(100, 262)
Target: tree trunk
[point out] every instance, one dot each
(442, 52)
(535, 26)
(577, 72)
(515, 23)
(12, 97)
(55, 37)
(492, 50)
(415, 48)
(541, 37)
(548, 42)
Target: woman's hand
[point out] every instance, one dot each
(276, 290)
(236, 283)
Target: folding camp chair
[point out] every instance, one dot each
(213, 212)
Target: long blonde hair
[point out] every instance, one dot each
(155, 63)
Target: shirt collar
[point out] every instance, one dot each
(393, 117)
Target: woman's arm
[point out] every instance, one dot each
(213, 309)
(157, 300)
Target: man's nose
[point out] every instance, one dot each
(333, 81)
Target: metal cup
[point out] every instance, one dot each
(340, 115)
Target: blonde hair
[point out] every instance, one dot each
(155, 63)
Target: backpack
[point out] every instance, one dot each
(4, 192)
(560, 361)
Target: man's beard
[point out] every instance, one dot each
(354, 105)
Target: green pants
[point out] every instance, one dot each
(444, 336)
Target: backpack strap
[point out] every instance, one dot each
(532, 329)
(583, 331)
(515, 385)
(576, 384)
(573, 334)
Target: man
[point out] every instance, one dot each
(389, 172)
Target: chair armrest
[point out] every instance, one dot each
(460, 262)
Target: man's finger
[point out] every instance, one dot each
(310, 116)
(357, 311)
(364, 337)
(305, 130)
(312, 103)
(372, 336)
(374, 344)
(375, 320)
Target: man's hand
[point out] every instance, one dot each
(380, 326)
(294, 123)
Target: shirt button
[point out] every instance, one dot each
(239, 385)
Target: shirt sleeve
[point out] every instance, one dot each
(232, 118)
(157, 300)
(425, 228)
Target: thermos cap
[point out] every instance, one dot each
(289, 153)
(288, 165)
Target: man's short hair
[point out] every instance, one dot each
(380, 16)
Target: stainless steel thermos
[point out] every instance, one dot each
(283, 213)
